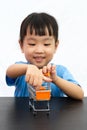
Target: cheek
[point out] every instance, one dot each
(50, 53)
(27, 52)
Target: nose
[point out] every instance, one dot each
(39, 49)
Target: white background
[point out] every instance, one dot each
(72, 18)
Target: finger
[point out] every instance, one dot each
(44, 70)
(27, 78)
(31, 80)
(53, 69)
(37, 82)
(47, 79)
(49, 67)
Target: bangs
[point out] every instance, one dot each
(40, 29)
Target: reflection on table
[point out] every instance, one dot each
(65, 114)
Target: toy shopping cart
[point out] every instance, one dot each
(39, 99)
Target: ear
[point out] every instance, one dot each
(56, 45)
(21, 46)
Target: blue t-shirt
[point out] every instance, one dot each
(21, 89)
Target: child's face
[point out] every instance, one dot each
(38, 50)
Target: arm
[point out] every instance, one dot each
(16, 70)
(71, 89)
(33, 75)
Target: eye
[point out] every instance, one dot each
(31, 44)
(47, 44)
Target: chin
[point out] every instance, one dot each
(40, 66)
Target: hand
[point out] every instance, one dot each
(35, 77)
(50, 69)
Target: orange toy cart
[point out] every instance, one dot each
(39, 99)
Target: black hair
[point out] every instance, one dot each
(39, 22)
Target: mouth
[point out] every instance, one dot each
(39, 58)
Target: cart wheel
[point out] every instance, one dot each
(30, 108)
(48, 113)
(34, 113)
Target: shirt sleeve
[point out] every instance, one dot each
(64, 73)
(12, 81)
